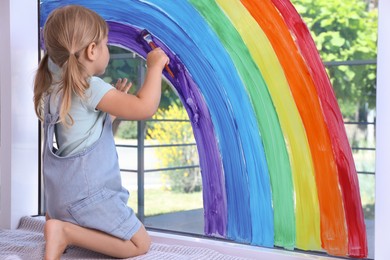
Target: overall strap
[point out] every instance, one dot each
(50, 119)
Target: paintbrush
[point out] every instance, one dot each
(148, 39)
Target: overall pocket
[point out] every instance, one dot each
(102, 210)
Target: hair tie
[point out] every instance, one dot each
(75, 54)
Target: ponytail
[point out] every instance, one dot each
(42, 82)
(73, 82)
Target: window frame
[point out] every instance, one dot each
(16, 150)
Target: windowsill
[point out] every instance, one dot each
(232, 249)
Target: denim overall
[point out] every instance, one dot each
(85, 188)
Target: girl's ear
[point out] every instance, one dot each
(91, 51)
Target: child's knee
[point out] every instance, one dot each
(142, 241)
(144, 244)
(144, 248)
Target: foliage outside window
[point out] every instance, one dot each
(186, 180)
(346, 31)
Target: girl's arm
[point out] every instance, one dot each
(145, 103)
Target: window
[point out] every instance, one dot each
(343, 75)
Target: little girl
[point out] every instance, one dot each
(86, 204)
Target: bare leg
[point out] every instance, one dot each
(59, 235)
(55, 240)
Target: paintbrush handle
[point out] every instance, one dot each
(153, 46)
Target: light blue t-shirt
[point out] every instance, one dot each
(88, 121)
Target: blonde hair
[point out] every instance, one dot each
(68, 31)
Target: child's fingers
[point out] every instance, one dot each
(157, 57)
(117, 84)
(127, 87)
(123, 85)
(121, 82)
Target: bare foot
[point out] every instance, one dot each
(56, 241)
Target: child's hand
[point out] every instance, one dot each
(157, 58)
(122, 85)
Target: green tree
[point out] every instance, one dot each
(345, 31)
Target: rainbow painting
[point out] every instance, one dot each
(277, 168)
